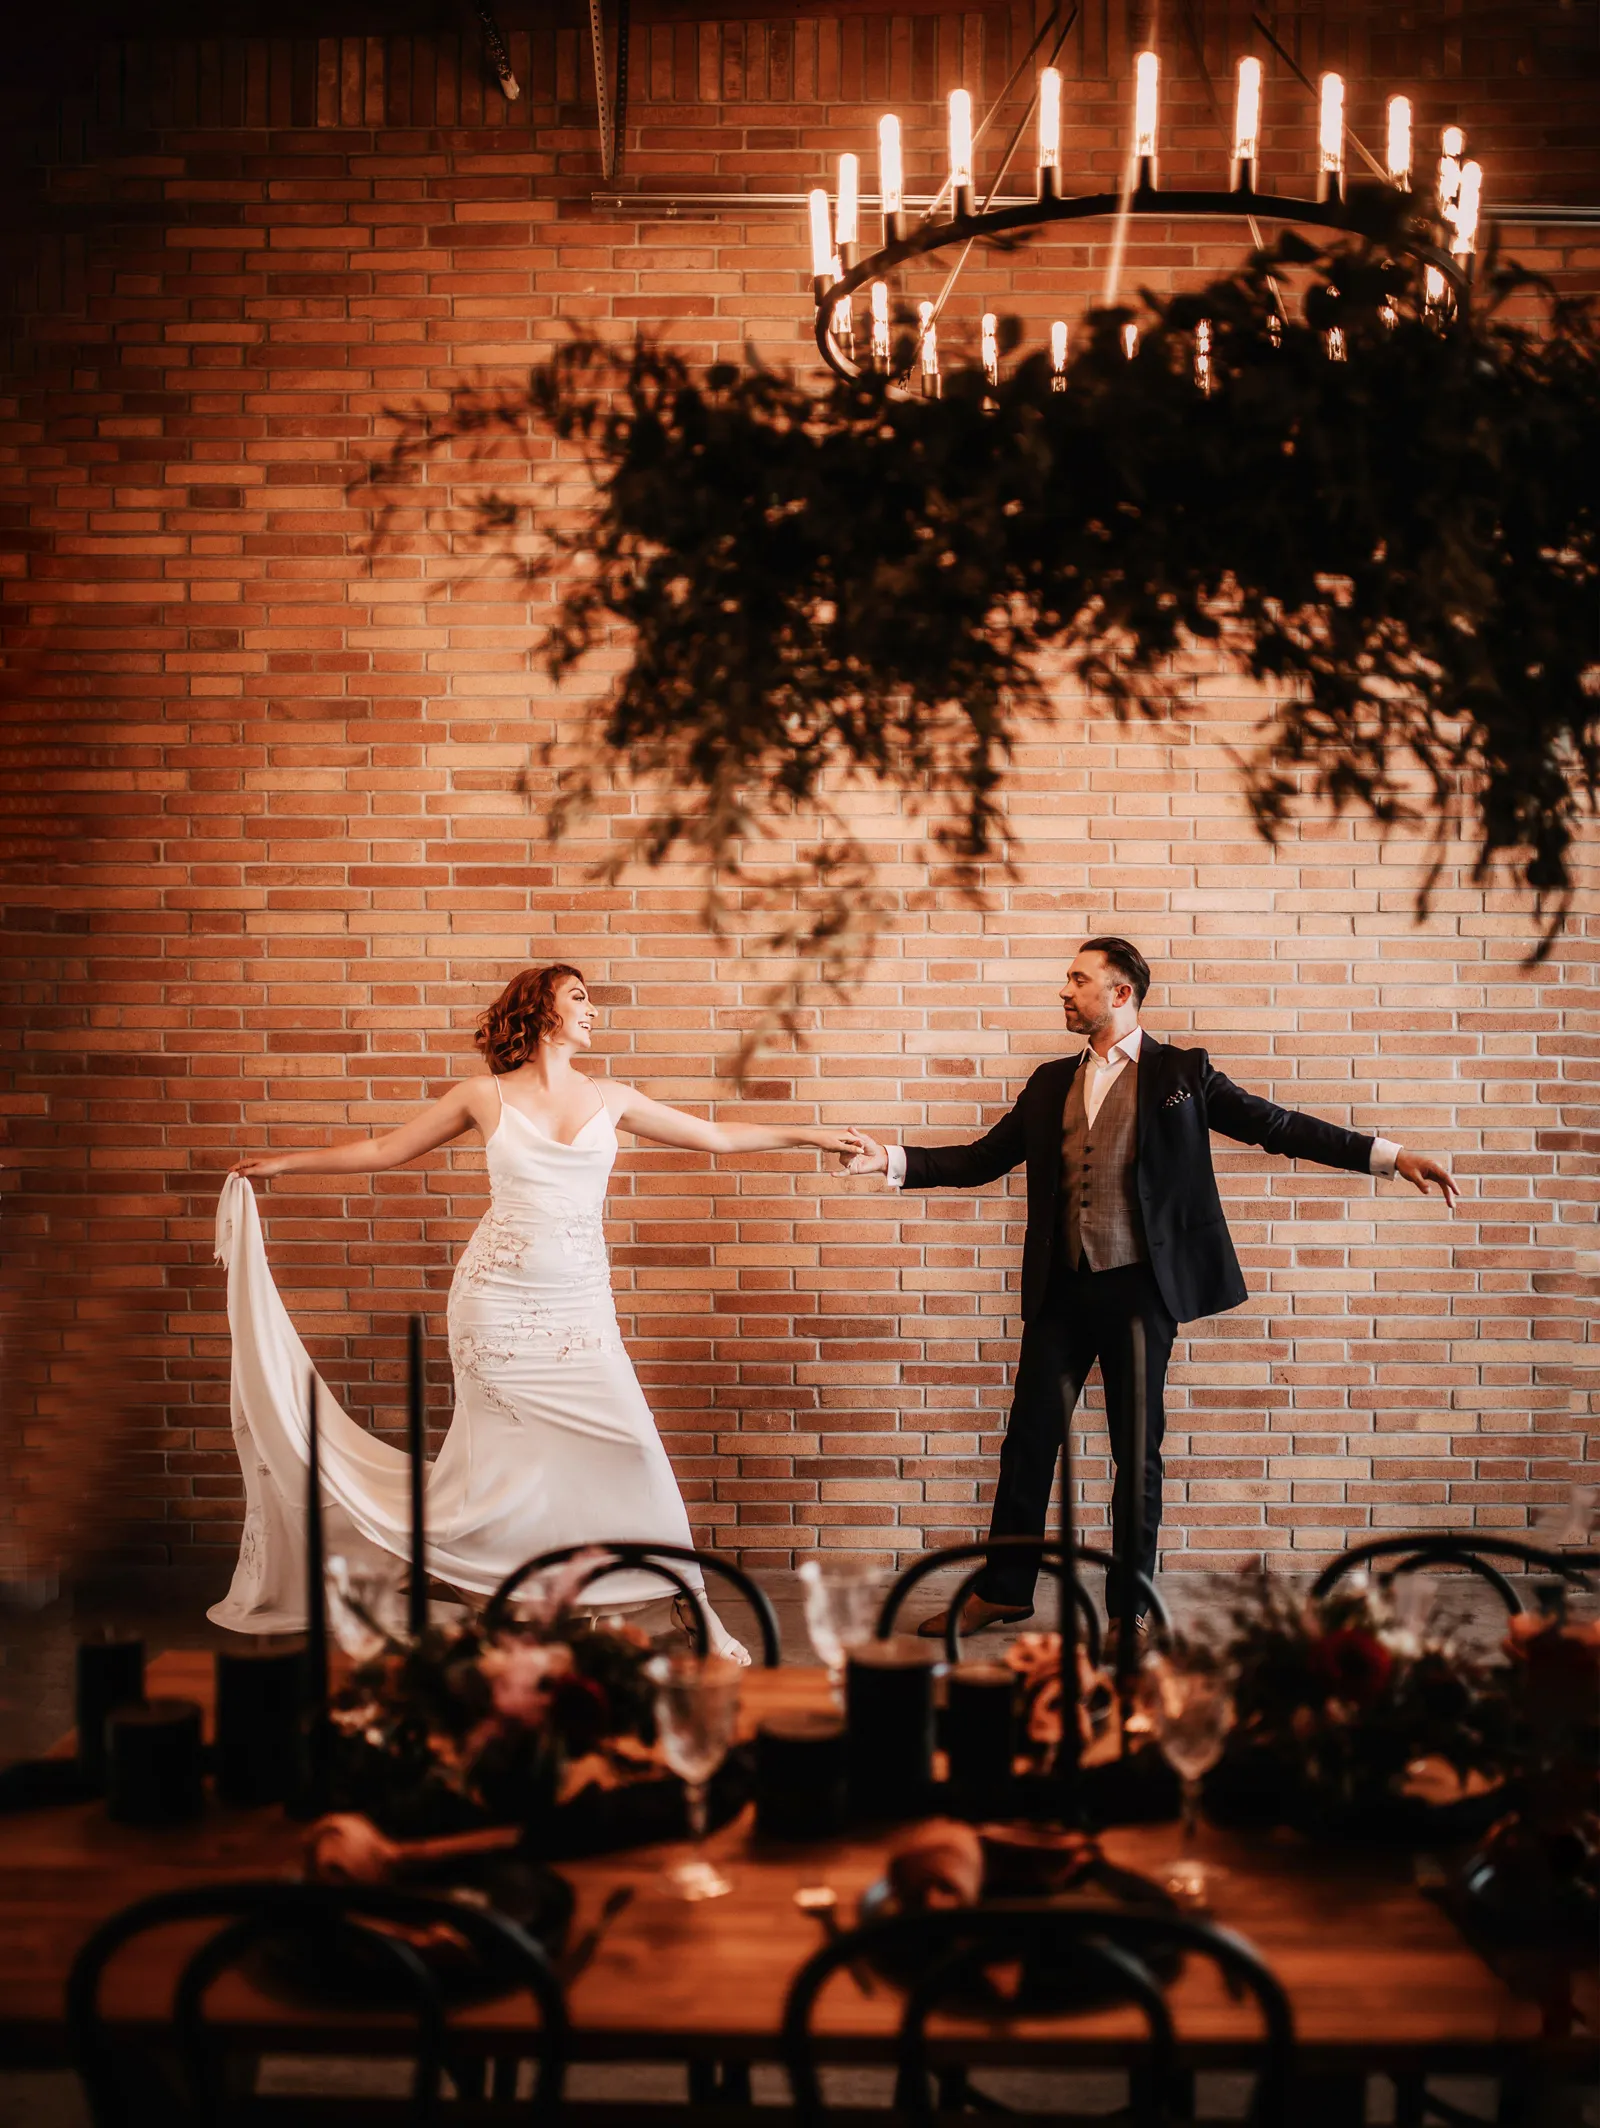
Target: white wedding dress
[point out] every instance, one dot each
(551, 1442)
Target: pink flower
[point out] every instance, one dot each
(523, 1678)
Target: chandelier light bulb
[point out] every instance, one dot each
(991, 348)
(891, 171)
(821, 235)
(928, 339)
(1452, 146)
(1130, 340)
(1433, 292)
(1330, 125)
(1465, 240)
(1146, 88)
(1397, 157)
(880, 324)
(847, 205)
(960, 140)
(844, 322)
(1050, 119)
(1058, 347)
(1202, 356)
(1247, 113)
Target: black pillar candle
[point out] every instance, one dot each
(110, 1675)
(258, 1703)
(800, 1776)
(155, 1765)
(416, 1422)
(889, 1722)
(1070, 1747)
(315, 1674)
(1130, 1603)
(980, 1730)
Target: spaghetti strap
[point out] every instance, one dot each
(498, 1095)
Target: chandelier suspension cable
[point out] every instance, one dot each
(1310, 86)
(988, 118)
(998, 180)
(1191, 30)
(1119, 228)
(1119, 235)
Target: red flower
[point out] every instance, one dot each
(1350, 1664)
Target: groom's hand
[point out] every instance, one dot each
(1420, 1171)
(869, 1158)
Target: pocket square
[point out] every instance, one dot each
(1177, 1100)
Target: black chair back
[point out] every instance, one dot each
(1051, 1561)
(662, 1560)
(1461, 1548)
(1071, 1958)
(361, 1936)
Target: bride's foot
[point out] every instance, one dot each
(719, 1641)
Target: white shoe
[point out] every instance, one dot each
(719, 1641)
(723, 1642)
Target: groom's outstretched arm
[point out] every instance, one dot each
(947, 1167)
(1293, 1135)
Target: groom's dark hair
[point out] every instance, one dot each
(1128, 961)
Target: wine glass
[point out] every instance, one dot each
(366, 1605)
(842, 1601)
(697, 1704)
(1190, 1706)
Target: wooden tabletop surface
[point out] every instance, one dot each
(1378, 1976)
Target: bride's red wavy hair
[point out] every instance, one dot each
(508, 1033)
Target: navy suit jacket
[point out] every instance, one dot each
(1182, 1099)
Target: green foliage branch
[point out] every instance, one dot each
(820, 588)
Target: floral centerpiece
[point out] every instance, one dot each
(1352, 1718)
(467, 1726)
(1535, 1881)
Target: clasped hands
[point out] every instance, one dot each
(861, 1155)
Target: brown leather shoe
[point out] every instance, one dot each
(977, 1614)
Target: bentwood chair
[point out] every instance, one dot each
(663, 1560)
(1473, 1550)
(319, 1945)
(1051, 1561)
(1031, 1959)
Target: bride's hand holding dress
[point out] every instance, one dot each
(552, 1442)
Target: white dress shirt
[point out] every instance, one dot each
(1102, 1075)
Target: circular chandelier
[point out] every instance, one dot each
(1440, 236)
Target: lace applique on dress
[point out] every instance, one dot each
(498, 1248)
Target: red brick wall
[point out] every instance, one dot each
(266, 852)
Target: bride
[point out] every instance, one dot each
(552, 1442)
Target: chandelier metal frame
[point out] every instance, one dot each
(1440, 236)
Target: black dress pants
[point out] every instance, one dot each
(1086, 1316)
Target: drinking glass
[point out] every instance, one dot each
(697, 1704)
(1190, 1705)
(366, 1605)
(842, 1598)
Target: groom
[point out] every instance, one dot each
(1124, 1225)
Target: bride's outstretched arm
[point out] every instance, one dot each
(634, 1111)
(438, 1123)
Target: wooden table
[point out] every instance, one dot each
(1378, 1976)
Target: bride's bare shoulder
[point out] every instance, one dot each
(479, 1099)
(617, 1095)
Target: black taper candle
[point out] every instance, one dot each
(1068, 1753)
(1132, 1522)
(416, 1413)
(316, 1670)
